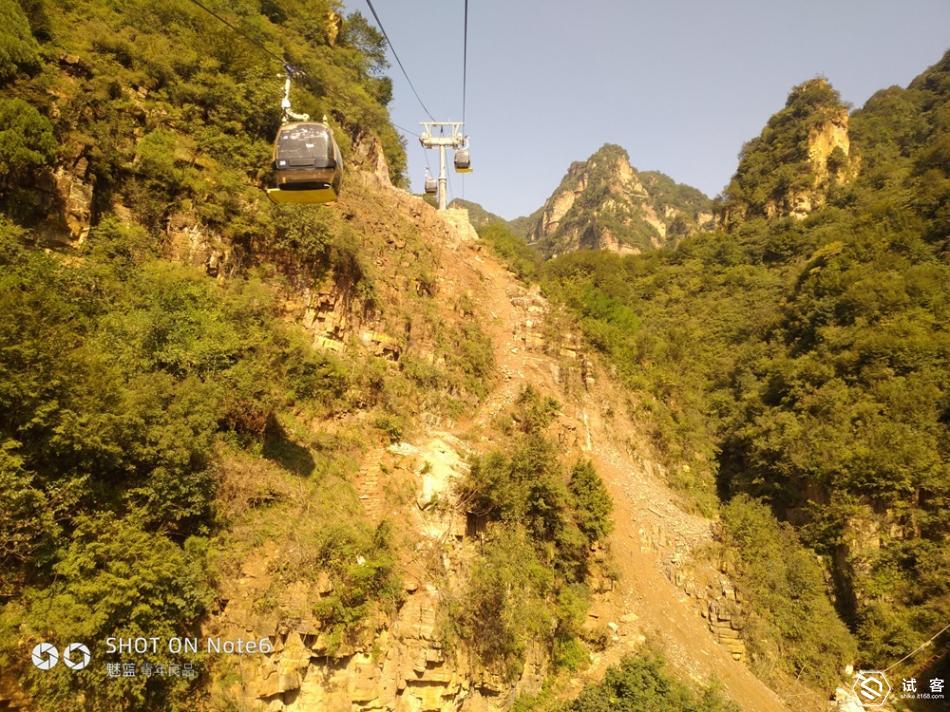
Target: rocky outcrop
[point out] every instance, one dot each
(853, 559)
(458, 221)
(604, 203)
(823, 140)
(334, 26)
(75, 189)
(718, 600)
(801, 156)
(401, 662)
(193, 243)
(369, 155)
(410, 671)
(67, 193)
(829, 156)
(402, 658)
(479, 217)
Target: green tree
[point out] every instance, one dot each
(26, 140)
(506, 606)
(641, 683)
(18, 49)
(591, 502)
(114, 579)
(794, 624)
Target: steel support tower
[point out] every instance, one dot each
(442, 134)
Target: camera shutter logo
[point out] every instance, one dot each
(872, 687)
(76, 656)
(45, 656)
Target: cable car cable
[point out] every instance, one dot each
(398, 61)
(250, 39)
(919, 648)
(425, 154)
(464, 85)
(464, 61)
(404, 129)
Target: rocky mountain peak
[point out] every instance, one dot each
(605, 203)
(610, 162)
(802, 154)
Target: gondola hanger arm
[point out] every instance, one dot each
(287, 113)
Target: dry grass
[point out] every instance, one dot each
(245, 482)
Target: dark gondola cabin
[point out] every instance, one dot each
(432, 185)
(463, 163)
(308, 167)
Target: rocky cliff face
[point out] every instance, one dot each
(604, 203)
(801, 156)
(401, 659)
(399, 662)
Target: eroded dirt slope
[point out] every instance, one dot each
(650, 529)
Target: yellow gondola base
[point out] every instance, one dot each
(302, 197)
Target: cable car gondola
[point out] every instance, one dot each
(463, 163)
(308, 167)
(431, 184)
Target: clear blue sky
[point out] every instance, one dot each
(680, 84)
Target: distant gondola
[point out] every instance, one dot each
(463, 163)
(431, 185)
(308, 167)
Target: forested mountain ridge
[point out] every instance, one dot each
(604, 203)
(477, 215)
(801, 354)
(481, 218)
